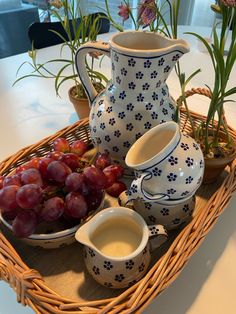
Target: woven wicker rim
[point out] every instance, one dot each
(31, 289)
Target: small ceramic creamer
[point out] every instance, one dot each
(117, 246)
(137, 98)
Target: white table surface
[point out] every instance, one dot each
(30, 111)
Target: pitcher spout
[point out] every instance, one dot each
(83, 235)
(179, 44)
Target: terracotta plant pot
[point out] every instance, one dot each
(81, 105)
(215, 166)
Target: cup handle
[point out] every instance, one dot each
(136, 190)
(92, 46)
(158, 234)
(124, 199)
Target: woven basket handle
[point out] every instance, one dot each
(199, 91)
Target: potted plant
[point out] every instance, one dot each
(218, 146)
(76, 34)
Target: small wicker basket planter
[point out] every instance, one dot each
(31, 285)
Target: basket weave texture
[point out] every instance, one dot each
(29, 284)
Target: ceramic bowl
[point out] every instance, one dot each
(170, 214)
(54, 239)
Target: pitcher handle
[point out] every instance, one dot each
(91, 46)
(136, 190)
(158, 235)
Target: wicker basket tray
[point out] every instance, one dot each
(55, 281)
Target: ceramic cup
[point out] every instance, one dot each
(171, 214)
(168, 164)
(117, 246)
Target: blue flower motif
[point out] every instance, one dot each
(127, 144)
(112, 121)
(195, 145)
(96, 270)
(121, 115)
(171, 191)
(123, 71)
(184, 146)
(132, 85)
(131, 62)
(140, 97)
(95, 129)
(148, 206)
(146, 86)
(149, 106)
(139, 75)
(107, 138)
(109, 88)
(115, 149)
(171, 177)
(162, 102)
(158, 84)
(129, 127)
(118, 80)
(188, 180)
(147, 64)
(167, 69)
(176, 221)
(163, 91)
(101, 101)
(119, 277)
(138, 117)
(117, 133)
(173, 160)
(165, 211)
(156, 172)
(108, 265)
(113, 66)
(154, 74)
(116, 57)
(161, 61)
(147, 126)
(165, 111)
(109, 109)
(122, 95)
(99, 113)
(189, 161)
(93, 116)
(91, 252)
(108, 284)
(130, 107)
(154, 116)
(141, 267)
(138, 135)
(129, 264)
(155, 96)
(102, 126)
(176, 57)
(112, 99)
(185, 193)
(171, 106)
(99, 141)
(186, 208)
(201, 164)
(152, 218)
(134, 188)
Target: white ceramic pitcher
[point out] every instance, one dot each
(137, 97)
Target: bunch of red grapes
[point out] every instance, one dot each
(63, 184)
